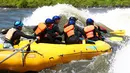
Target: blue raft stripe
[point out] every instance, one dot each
(92, 47)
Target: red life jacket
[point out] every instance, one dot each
(50, 27)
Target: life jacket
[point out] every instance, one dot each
(65, 25)
(89, 31)
(10, 33)
(41, 27)
(69, 30)
(50, 27)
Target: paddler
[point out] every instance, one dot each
(13, 35)
(91, 31)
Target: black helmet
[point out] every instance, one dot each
(73, 18)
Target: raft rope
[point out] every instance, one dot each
(16, 51)
(31, 51)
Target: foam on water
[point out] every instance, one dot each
(121, 61)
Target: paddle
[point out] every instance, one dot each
(88, 41)
(116, 39)
(118, 32)
(114, 32)
(16, 51)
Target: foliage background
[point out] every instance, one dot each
(76, 3)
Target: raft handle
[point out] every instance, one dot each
(51, 58)
(61, 55)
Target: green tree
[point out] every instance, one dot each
(22, 4)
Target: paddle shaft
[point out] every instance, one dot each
(8, 56)
(16, 52)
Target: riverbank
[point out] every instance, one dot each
(75, 3)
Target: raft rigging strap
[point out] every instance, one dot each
(16, 51)
(31, 51)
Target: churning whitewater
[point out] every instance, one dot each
(120, 63)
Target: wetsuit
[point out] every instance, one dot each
(96, 33)
(15, 39)
(74, 39)
(52, 34)
(57, 30)
(43, 38)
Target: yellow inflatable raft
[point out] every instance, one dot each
(45, 55)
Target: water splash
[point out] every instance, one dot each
(121, 62)
(1, 41)
(115, 19)
(1, 38)
(40, 14)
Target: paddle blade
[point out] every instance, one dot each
(118, 32)
(116, 38)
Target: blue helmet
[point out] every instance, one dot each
(48, 21)
(73, 18)
(56, 18)
(18, 23)
(71, 22)
(89, 21)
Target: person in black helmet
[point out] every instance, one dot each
(55, 29)
(12, 35)
(78, 30)
(70, 33)
(73, 18)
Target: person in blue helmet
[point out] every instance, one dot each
(44, 32)
(91, 31)
(55, 29)
(70, 33)
(41, 30)
(12, 35)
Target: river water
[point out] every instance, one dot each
(114, 18)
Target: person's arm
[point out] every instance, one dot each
(102, 29)
(4, 31)
(58, 30)
(99, 33)
(80, 30)
(49, 32)
(25, 36)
